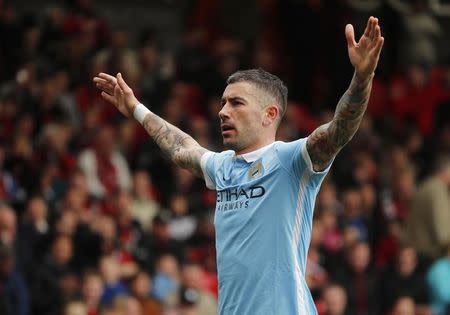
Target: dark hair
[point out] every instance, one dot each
(265, 81)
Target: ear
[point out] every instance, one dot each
(270, 115)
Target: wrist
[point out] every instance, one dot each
(364, 76)
(139, 112)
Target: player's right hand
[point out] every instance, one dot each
(117, 92)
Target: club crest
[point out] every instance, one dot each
(256, 170)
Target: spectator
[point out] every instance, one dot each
(334, 300)
(388, 245)
(70, 286)
(359, 282)
(91, 292)
(14, 298)
(104, 230)
(9, 188)
(182, 225)
(113, 286)
(405, 280)
(404, 306)
(140, 288)
(35, 230)
(166, 281)
(129, 233)
(353, 215)
(403, 187)
(105, 168)
(426, 228)
(437, 278)
(327, 198)
(193, 278)
(156, 243)
(332, 235)
(46, 289)
(145, 206)
(7, 225)
(54, 148)
(421, 31)
(66, 224)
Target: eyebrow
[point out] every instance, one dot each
(233, 98)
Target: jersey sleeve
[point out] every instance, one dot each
(296, 160)
(207, 163)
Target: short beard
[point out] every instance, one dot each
(235, 146)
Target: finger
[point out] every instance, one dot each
(103, 84)
(118, 92)
(98, 79)
(109, 98)
(108, 88)
(372, 27)
(123, 86)
(367, 30)
(350, 35)
(377, 32)
(375, 27)
(379, 46)
(107, 77)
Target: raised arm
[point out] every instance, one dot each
(327, 140)
(181, 148)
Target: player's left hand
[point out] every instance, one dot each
(364, 54)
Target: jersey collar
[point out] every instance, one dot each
(255, 155)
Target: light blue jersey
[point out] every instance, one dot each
(263, 218)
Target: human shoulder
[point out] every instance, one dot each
(286, 145)
(287, 151)
(210, 155)
(210, 162)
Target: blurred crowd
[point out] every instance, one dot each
(95, 221)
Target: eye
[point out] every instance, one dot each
(235, 102)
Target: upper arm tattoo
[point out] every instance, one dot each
(326, 141)
(181, 148)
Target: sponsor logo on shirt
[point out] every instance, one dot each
(238, 198)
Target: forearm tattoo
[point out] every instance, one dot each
(326, 141)
(181, 148)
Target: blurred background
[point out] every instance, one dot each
(95, 221)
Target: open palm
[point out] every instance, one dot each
(117, 92)
(364, 55)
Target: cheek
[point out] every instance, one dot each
(250, 120)
(246, 126)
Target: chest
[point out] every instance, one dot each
(249, 194)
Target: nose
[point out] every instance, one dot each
(224, 112)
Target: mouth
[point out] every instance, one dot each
(227, 129)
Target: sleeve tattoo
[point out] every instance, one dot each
(181, 148)
(326, 141)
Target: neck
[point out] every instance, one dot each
(256, 146)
